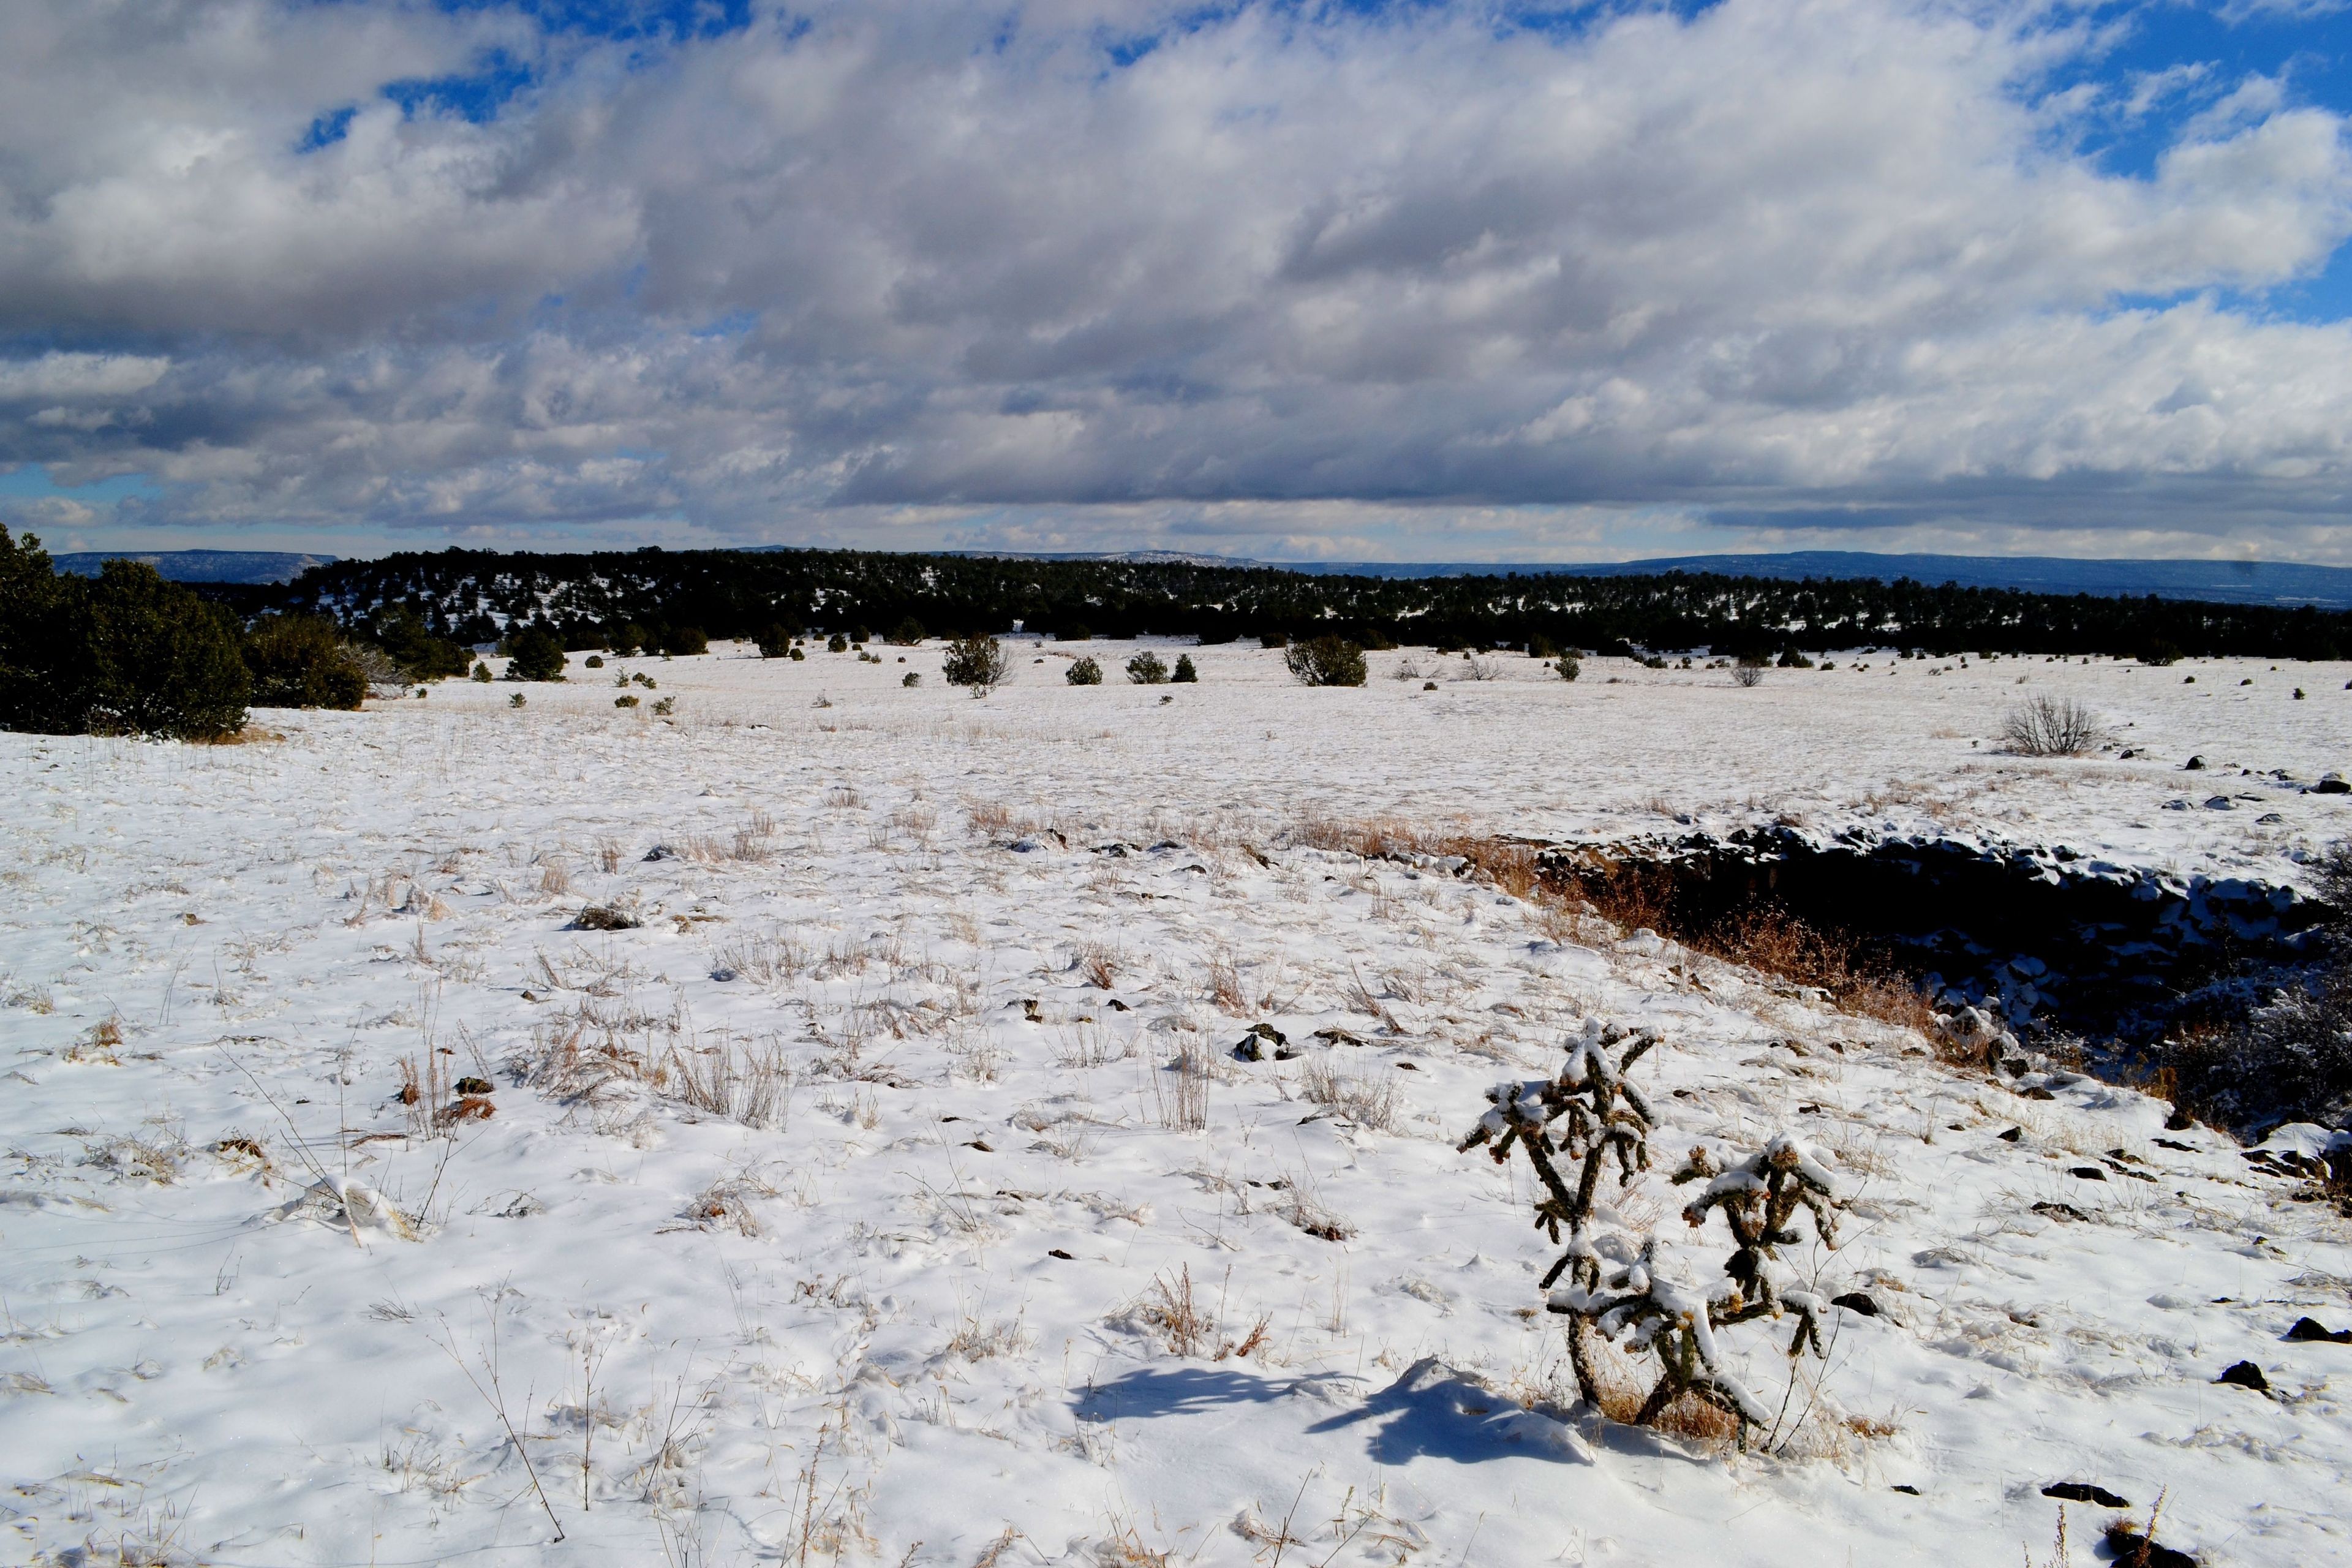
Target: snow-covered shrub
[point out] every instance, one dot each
(1750, 671)
(2048, 726)
(978, 662)
(1325, 661)
(1633, 1289)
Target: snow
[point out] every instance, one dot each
(739, 1318)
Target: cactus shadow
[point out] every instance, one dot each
(1429, 1411)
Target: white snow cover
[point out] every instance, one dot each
(878, 1250)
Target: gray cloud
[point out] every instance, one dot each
(914, 273)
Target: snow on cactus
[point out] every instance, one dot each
(1650, 1302)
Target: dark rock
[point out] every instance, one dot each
(1906, 1491)
(2246, 1374)
(2015, 1134)
(2309, 1330)
(601, 917)
(1337, 1037)
(484, 1086)
(2061, 1211)
(1856, 1301)
(661, 852)
(2193, 765)
(2178, 1148)
(2331, 783)
(723, 975)
(2136, 1551)
(2179, 1121)
(2088, 1173)
(1119, 1006)
(981, 1145)
(1057, 1252)
(2038, 1092)
(2083, 1491)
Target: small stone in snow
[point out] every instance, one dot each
(2012, 1135)
(2083, 1491)
(2088, 1173)
(2246, 1374)
(1856, 1301)
(2309, 1330)
(1057, 1252)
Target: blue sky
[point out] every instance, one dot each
(1400, 280)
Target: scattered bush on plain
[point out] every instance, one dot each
(2047, 726)
(977, 663)
(1325, 661)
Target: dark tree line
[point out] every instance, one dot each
(664, 599)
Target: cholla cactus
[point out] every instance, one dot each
(1758, 1197)
(1587, 1092)
(1660, 1309)
(1648, 1300)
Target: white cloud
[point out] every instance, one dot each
(910, 271)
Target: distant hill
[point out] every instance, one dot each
(201, 565)
(2276, 583)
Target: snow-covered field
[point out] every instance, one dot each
(846, 1209)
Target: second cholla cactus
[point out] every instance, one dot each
(1655, 1306)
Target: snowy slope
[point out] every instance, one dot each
(766, 1230)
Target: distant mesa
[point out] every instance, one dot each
(201, 565)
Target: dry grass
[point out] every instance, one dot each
(1179, 1091)
(1369, 1098)
(1098, 962)
(774, 958)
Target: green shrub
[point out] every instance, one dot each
(912, 678)
(410, 643)
(595, 661)
(798, 657)
(481, 672)
(40, 684)
(1569, 666)
(1084, 672)
(775, 642)
(837, 642)
(1184, 674)
(685, 641)
(1147, 669)
(1325, 661)
(302, 661)
(517, 700)
(1076, 631)
(139, 655)
(1542, 646)
(1273, 639)
(628, 639)
(977, 662)
(907, 633)
(534, 653)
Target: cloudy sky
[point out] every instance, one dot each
(1296, 280)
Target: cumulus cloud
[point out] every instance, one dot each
(1098, 273)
